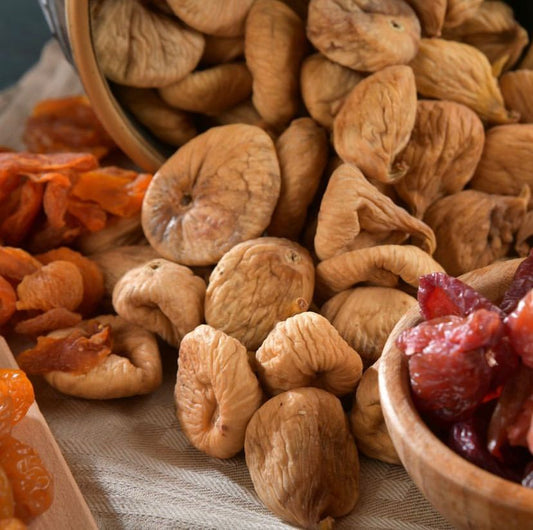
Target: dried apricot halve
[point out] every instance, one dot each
(24, 163)
(15, 263)
(8, 299)
(56, 318)
(19, 389)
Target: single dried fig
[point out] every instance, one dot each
(458, 11)
(306, 350)
(367, 422)
(163, 297)
(517, 88)
(257, 284)
(493, 30)
(354, 214)
(365, 316)
(210, 91)
(474, 229)
(170, 125)
(244, 112)
(442, 153)
(362, 34)
(222, 49)
(216, 391)
(132, 368)
(214, 17)
(216, 191)
(141, 47)
(302, 458)
(375, 122)
(274, 47)
(324, 86)
(463, 75)
(302, 152)
(431, 15)
(506, 162)
(383, 265)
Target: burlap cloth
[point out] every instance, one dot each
(128, 456)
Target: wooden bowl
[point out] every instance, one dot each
(463, 493)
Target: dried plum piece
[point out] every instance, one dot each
(521, 284)
(519, 326)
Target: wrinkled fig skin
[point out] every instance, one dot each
(383, 266)
(224, 18)
(458, 72)
(216, 391)
(364, 35)
(303, 153)
(274, 47)
(170, 125)
(367, 422)
(365, 316)
(517, 88)
(210, 91)
(458, 11)
(219, 50)
(376, 121)
(163, 297)
(217, 190)
(354, 214)
(132, 368)
(442, 154)
(431, 15)
(493, 30)
(139, 47)
(306, 350)
(324, 86)
(257, 284)
(506, 162)
(474, 229)
(302, 458)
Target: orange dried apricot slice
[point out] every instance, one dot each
(21, 163)
(8, 299)
(56, 318)
(12, 523)
(18, 387)
(15, 263)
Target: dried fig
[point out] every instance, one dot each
(354, 214)
(431, 15)
(210, 91)
(163, 297)
(493, 30)
(367, 422)
(274, 47)
(464, 75)
(524, 236)
(302, 458)
(244, 112)
(382, 265)
(365, 316)
(517, 88)
(302, 152)
(133, 367)
(306, 350)
(170, 125)
(506, 162)
(475, 229)
(141, 47)
(324, 86)
(442, 153)
(222, 49)
(458, 11)
(257, 284)
(216, 191)
(216, 391)
(375, 122)
(364, 35)
(214, 17)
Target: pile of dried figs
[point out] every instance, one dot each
(332, 152)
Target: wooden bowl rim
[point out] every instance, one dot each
(402, 417)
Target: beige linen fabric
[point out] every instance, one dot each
(132, 463)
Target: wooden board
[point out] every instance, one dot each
(69, 507)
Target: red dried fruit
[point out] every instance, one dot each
(520, 329)
(440, 294)
(521, 430)
(521, 284)
(8, 300)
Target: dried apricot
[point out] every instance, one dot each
(24, 163)
(15, 263)
(19, 389)
(6, 411)
(8, 299)
(7, 503)
(56, 318)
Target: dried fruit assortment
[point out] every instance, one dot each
(470, 367)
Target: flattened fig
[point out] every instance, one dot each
(431, 15)
(364, 35)
(216, 191)
(442, 154)
(354, 214)
(517, 88)
(375, 122)
(216, 391)
(302, 458)
(257, 284)
(306, 350)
